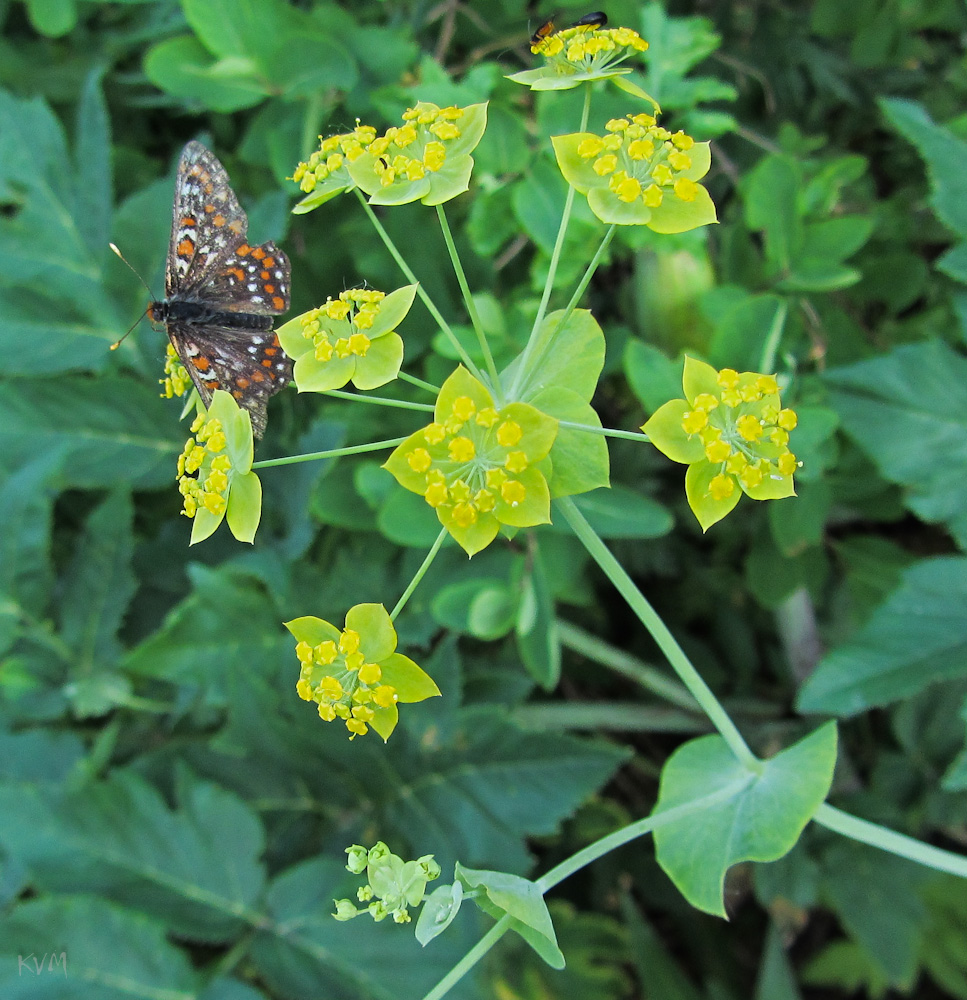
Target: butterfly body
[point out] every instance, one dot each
(221, 293)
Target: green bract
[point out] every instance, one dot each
(639, 174)
(732, 435)
(352, 338)
(426, 159)
(356, 674)
(478, 466)
(215, 472)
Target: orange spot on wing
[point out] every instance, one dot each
(267, 363)
(201, 363)
(237, 272)
(209, 209)
(258, 377)
(270, 289)
(237, 393)
(271, 351)
(219, 219)
(244, 250)
(278, 302)
(188, 221)
(213, 385)
(185, 248)
(258, 253)
(242, 383)
(264, 275)
(269, 262)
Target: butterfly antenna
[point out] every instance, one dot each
(117, 343)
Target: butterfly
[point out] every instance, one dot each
(221, 293)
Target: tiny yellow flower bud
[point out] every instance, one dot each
(728, 378)
(509, 433)
(463, 408)
(327, 712)
(303, 652)
(487, 417)
(419, 459)
(694, 421)
(434, 155)
(749, 427)
(679, 161)
(721, 487)
(485, 501)
(751, 476)
(705, 401)
(717, 451)
(662, 174)
(329, 687)
(513, 492)
(787, 463)
(434, 433)
(605, 164)
(652, 196)
(641, 149)
(787, 419)
(516, 461)
(436, 494)
(767, 384)
(325, 653)
(464, 514)
(303, 690)
(385, 695)
(461, 449)
(587, 148)
(685, 189)
(496, 478)
(359, 344)
(370, 673)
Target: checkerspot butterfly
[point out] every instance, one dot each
(221, 293)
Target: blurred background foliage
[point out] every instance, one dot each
(172, 818)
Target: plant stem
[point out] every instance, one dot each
(650, 678)
(356, 449)
(356, 397)
(413, 380)
(469, 960)
(470, 304)
(646, 614)
(767, 363)
(588, 275)
(420, 573)
(424, 298)
(889, 840)
(525, 357)
(632, 831)
(559, 716)
(604, 431)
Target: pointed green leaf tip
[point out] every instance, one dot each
(523, 902)
(760, 820)
(215, 472)
(732, 435)
(355, 674)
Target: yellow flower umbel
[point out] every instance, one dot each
(351, 338)
(215, 472)
(582, 53)
(733, 435)
(355, 674)
(639, 173)
(478, 466)
(325, 174)
(177, 381)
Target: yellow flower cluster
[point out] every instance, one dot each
(208, 443)
(357, 306)
(392, 163)
(480, 464)
(336, 676)
(583, 48)
(333, 153)
(177, 381)
(742, 434)
(642, 160)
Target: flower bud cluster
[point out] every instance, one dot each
(359, 307)
(207, 448)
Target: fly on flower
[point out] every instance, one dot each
(547, 28)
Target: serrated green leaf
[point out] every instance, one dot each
(761, 821)
(917, 637)
(90, 949)
(118, 839)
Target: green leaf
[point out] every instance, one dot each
(760, 821)
(944, 154)
(523, 902)
(536, 626)
(244, 506)
(112, 432)
(53, 18)
(770, 192)
(579, 459)
(98, 585)
(439, 909)
(907, 410)
(876, 897)
(92, 155)
(184, 67)
(227, 624)
(485, 607)
(621, 512)
(654, 378)
(90, 950)
(118, 839)
(407, 519)
(917, 637)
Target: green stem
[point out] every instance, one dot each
(633, 831)
(413, 380)
(315, 456)
(357, 397)
(588, 275)
(771, 345)
(424, 298)
(469, 960)
(889, 840)
(522, 370)
(646, 614)
(310, 123)
(604, 431)
(650, 678)
(420, 573)
(470, 304)
(561, 716)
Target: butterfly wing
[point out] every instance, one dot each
(251, 279)
(249, 364)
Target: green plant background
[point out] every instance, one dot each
(172, 817)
